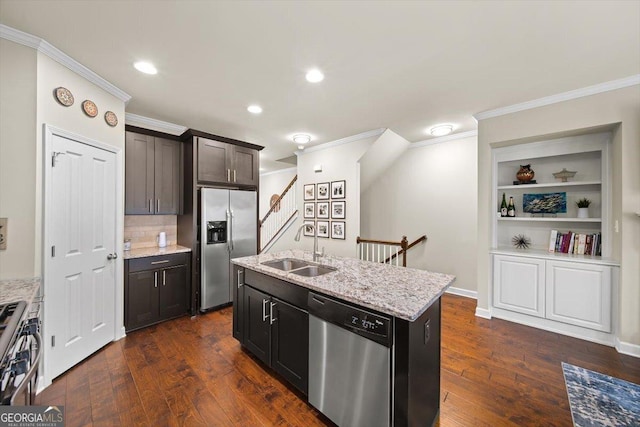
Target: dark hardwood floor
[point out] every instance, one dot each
(192, 372)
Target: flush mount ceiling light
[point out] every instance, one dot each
(300, 147)
(441, 130)
(254, 109)
(145, 67)
(314, 76)
(301, 138)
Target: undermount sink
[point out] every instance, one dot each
(313, 270)
(286, 264)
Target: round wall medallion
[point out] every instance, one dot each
(111, 118)
(63, 96)
(89, 108)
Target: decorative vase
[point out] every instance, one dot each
(583, 212)
(525, 174)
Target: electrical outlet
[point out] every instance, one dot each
(3, 233)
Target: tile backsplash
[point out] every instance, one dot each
(143, 230)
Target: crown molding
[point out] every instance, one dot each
(292, 169)
(348, 139)
(153, 124)
(438, 140)
(62, 58)
(561, 97)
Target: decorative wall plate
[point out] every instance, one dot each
(63, 96)
(111, 118)
(89, 108)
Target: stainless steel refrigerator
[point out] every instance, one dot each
(228, 229)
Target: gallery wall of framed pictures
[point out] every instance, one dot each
(325, 207)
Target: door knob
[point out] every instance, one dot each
(112, 256)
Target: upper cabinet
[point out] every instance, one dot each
(152, 175)
(223, 163)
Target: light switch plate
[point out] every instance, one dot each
(3, 233)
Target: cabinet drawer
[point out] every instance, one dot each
(156, 262)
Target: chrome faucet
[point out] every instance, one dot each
(316, 254)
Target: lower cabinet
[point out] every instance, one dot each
(156, 289)
(274, 330)
(575, 293)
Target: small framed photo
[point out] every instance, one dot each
(310, 192)
(337, 230)
(323, 210)
(338, 190)
(323, 228)
(310, 210)
(323, 191)
(338, 210)
(308, 229)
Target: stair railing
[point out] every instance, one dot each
(282, 210)
(385, 251)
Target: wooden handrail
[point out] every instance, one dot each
(380, 242)
(276, 203)
(404, 250)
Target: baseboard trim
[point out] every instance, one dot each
(483, 312)
(627, 348)
(462, 292)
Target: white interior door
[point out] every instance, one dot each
(80, 282)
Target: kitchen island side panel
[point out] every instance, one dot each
(417, 369)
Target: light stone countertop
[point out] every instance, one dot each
(19, 290)
(154, 251)
(402, 292)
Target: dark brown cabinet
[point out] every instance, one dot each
(152, 175)
(222, 163)
(156, 289)
(275, 331)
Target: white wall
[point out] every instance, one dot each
(273, 183)
(429, 190)
(380, 156)
(18, 143)
(620, 110)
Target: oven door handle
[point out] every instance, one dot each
(32, 370)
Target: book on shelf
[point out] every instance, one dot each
(552, 240)
(575, 243)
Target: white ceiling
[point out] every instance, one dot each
(400, 65)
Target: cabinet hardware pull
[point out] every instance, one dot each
(271, 318)
(164, 277)
(164, 261)
(150, 206)
(234, 175)
(240, 281)
(158, 206)
(229, 175)
(155, 279)
(264, 310)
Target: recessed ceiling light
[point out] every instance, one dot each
(255, 109)
(314, 76)
(441, 130)
(145, 67)
(301, 138)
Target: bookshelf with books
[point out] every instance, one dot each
(564, 280)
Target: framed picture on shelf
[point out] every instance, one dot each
(323, 210)
(322, 228)
(338, 189)
(310, 210)
(549, 203)
(308, 229)
(310, 192)
(337, 230)
(338, 210)
(323, 191)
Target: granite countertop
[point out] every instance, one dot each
(154, 251)
(19, 290)
(402, 292)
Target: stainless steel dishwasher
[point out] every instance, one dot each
(349, 363)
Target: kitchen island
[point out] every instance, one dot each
(360, 339)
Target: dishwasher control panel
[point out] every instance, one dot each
(368, 322)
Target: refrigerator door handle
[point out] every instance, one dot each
(231, 231)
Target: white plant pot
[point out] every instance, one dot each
(583, 212)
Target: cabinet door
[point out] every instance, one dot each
(579, 294)
(245, 166)
(214, 158)
(139, 174)
(290, 343)
(142, 299)
(256, 323)
(167, 177)
(518, 284)
(173, 291)
(237, 287)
